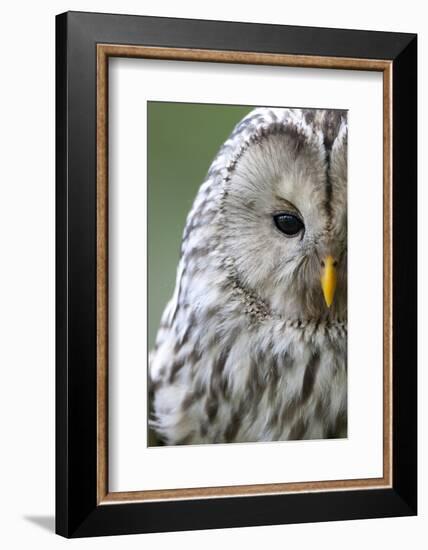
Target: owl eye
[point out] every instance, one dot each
(288, 223)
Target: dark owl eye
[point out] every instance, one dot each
(288, 223)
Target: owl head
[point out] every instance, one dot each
(282, 215)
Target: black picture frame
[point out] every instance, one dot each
(78, 513)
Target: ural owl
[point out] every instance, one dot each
(253, 344)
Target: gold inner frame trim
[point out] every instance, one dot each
(104, 51)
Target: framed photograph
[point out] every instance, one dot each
(236, 274)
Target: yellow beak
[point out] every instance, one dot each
(328, 279)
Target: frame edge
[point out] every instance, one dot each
(405, 274)
(61, 267)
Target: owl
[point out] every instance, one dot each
(252, 345)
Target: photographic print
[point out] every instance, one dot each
(247, 281)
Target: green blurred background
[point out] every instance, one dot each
(183, 139)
